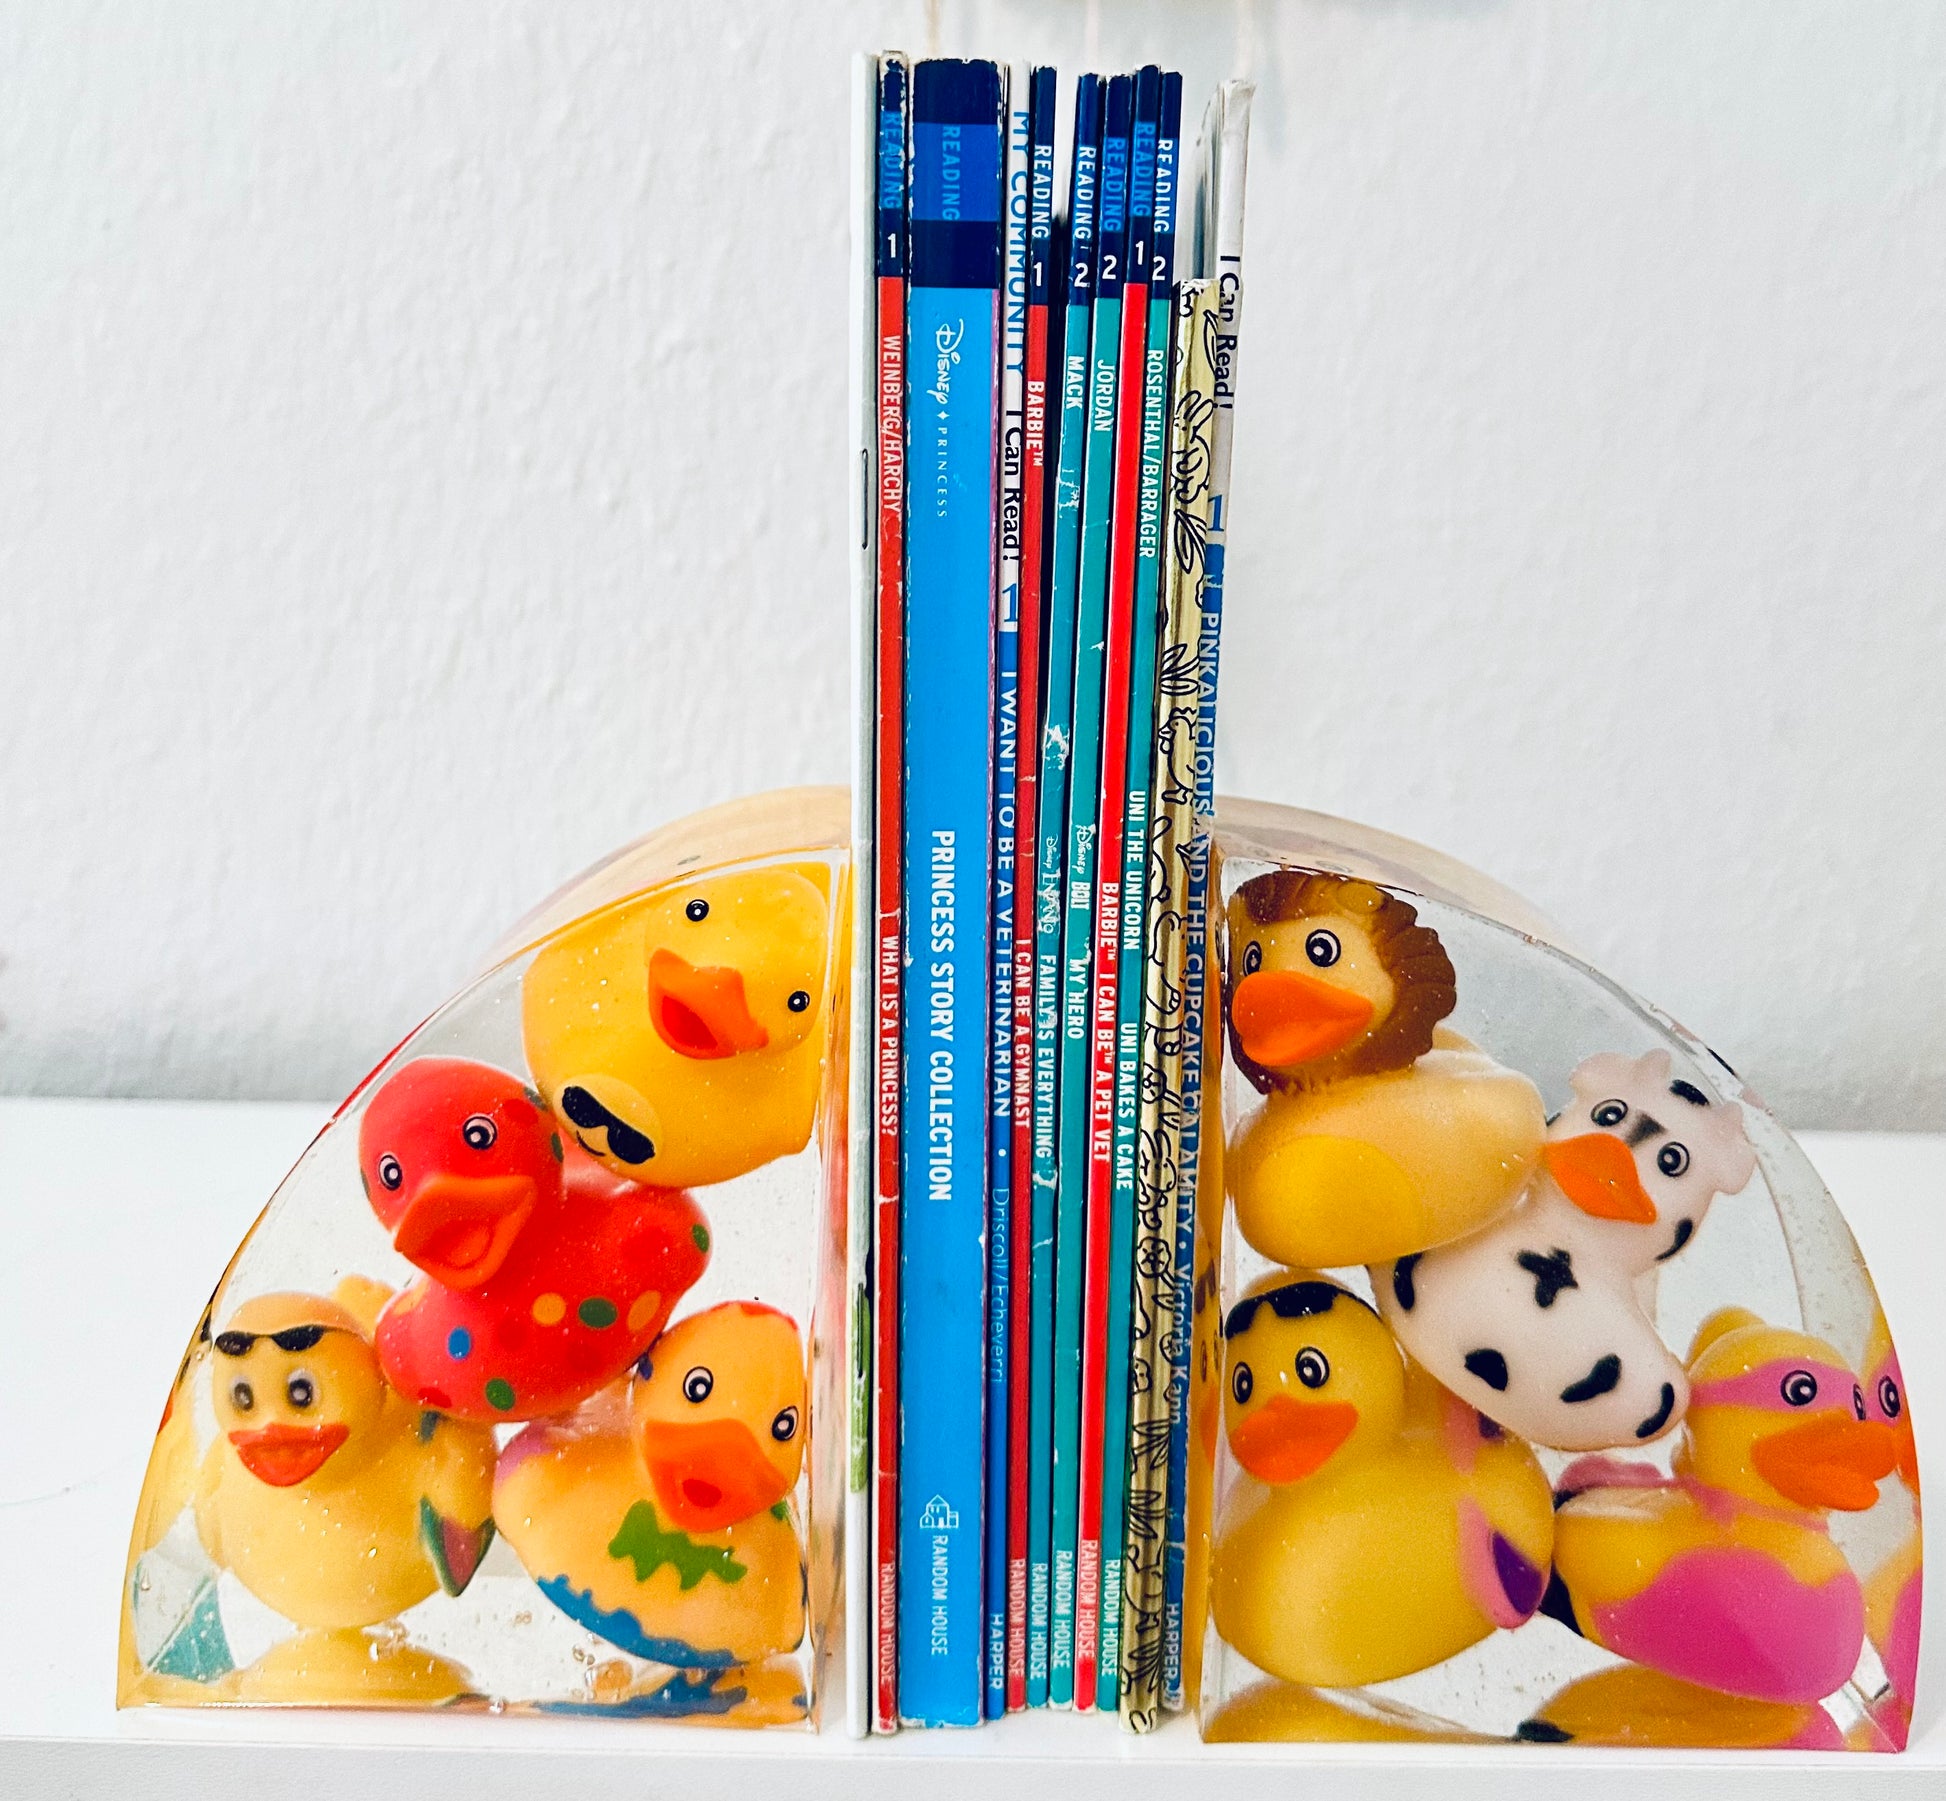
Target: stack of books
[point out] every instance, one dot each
(1047, 312)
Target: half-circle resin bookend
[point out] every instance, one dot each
(1556, 1401)
(509, 1397)
(1540, 1391)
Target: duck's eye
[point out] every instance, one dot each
(784, 1427)
(1323, 948)
(697, 910)
(1800, 1388)
(1242, 1383)
(299, 1389)
(1888, 1397)
(1858, 1400)
(1672, 1159)
(1253, 957)
(697, 1384)
(1313, 1368)
(479, 1132)
(1608, 1114)
(242, 1396)
(389, 1172)
(799, 1000)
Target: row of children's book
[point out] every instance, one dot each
(1047, 295)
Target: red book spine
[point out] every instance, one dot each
(890, 836)
(1026, 847)
(1107, 985)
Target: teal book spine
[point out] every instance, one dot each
(1077, 922)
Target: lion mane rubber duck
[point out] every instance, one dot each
(336, 1502)
(1386, 1525)
(1725, 1574)
(1535, 1319)
(546, 1276)
(1380, 1133)
(661, 1518)
(681, 1036)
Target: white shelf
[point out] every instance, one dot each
(118, 1218)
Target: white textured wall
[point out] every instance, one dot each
(422, 445)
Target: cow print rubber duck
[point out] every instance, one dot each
(1536, 1320)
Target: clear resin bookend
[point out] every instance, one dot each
(512, 1395)
(1548, 1396)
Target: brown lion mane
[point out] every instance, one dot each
(1411, 954)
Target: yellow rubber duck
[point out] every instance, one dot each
(1386, 1525)
(1381, 1133)
(1725, 1573)
(1629, 1705)
(681, 1035)
(660, 1517)
(337, 1503)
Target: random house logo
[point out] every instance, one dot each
(938, 1516)
(940, 1520)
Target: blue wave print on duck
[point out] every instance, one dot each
(622, 1628)
(681, 1697)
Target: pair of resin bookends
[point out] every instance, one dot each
(1541, 1392)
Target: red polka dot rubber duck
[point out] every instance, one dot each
(1726, 1574)
(546, 1276)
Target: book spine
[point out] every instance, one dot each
(953, 335)
(1183, 875)
(1077, 1519)
(1141, 1254)
(1034, 391)
(1050, 1592)
(1229, 146)
(860, 1186)
(889, 258)
(1110, 1201)
(1077, 1535)
(1006, 794)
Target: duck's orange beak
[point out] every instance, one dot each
(710, 1473)
(1597, 1173)
(284, 1455)
(459, 1229)
(1283, 1017)
(1285, 1440)
(701, 1011)
(1830, 1460)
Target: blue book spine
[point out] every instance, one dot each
(1128, 998)
(1077, 943)
(952, 361)
(1006, 746)
(1064, 562)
